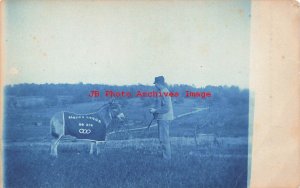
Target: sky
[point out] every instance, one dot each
(127, 42)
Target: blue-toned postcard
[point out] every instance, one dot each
(126, 94)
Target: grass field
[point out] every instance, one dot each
(127, 163)
(191, 166)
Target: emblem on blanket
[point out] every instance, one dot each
(84, 126)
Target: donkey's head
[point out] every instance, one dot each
(115, 111)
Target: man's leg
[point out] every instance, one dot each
(164, 138)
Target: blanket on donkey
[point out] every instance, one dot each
(84, 126)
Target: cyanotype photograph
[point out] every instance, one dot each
(126, 94)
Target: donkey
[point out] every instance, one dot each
(108, 112)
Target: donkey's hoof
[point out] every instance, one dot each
(53, 155)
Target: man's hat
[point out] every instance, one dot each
(159, 80)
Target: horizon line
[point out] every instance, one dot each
(85, 83)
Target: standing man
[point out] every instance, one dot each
(164, 114)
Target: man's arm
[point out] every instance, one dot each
(165, 108)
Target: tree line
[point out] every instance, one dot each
(60, 94)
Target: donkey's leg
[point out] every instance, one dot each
(97, 147)
(54, 147)
(100, 145)
(92, 147)
(53, 141)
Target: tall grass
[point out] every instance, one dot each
(125, 167)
